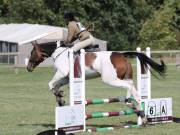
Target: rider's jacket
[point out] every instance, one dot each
(76, 31)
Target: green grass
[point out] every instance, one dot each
(27, 106)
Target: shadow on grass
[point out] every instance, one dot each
(52, 132)
(47, 132)
(42, 124)
(110, 125)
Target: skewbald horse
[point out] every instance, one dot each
(114, 68)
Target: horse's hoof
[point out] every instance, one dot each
(61, 93)
(61, 103)
(144, 121)
(143, 117)
(141, 114)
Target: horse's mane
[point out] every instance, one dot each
(48, 47)
(47, 43)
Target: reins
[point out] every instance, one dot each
(59, 53)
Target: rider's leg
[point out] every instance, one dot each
(83, 44)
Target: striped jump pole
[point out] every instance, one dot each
(105, 100)
(130, 102)
(109, 114)
(100, 129)
(94, 129)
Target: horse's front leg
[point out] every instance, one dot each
(58, 81)
(60, 93)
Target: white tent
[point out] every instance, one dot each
(25, 33)
(18, 38)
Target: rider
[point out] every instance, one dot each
(77, 33)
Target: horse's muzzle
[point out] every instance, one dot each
(29, 69)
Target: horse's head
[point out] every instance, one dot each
(37, 56)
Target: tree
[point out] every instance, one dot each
(123, 23)
(158, 32)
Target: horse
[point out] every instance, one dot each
(114, 68)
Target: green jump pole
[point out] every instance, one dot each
(108, 100)
(109, 114)
(104, 129)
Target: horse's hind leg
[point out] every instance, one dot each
(128, 84)
(131, 88)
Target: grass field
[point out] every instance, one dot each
(27, 106)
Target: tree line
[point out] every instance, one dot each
(124, 24)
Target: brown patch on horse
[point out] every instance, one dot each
(122, 66)
(90, 57)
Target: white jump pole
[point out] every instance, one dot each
(148, 53)
(82, 63)
(143, 80)
(77, 84)
(71, 77)
(139, 120)
(138, 73)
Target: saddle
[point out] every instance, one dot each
(91, 48)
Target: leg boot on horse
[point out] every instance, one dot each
(59, 97)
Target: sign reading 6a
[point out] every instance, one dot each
(151, 109)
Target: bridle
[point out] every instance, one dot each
(45, 55)
(59, 53)
(66, 48)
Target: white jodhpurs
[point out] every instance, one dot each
(82, 44)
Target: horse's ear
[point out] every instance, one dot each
(34, 43)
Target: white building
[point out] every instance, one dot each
(17, 38)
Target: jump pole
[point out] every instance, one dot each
(106, 100)
(143, 80)
(109, 114)
(104, 129)
(77, 85)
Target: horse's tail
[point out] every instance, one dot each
(145, 61)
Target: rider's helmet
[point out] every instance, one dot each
(69, 16)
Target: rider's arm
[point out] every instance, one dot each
(71, 33)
